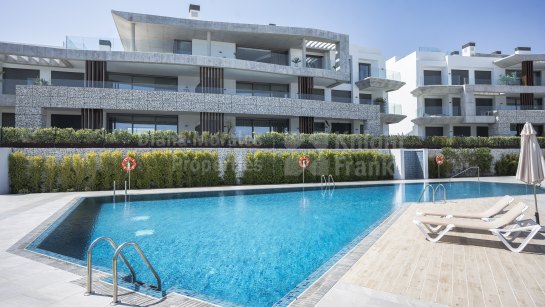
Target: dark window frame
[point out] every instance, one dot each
(156, 120)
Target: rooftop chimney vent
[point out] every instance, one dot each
(468, 49)
(105, 45)
(455, 53)
(194, 11)
(523, 50)
(496, 52)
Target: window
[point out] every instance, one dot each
(341, 128)
(366, 99)
(183, 47)
(14, 76)
(537, 77)
(145, 83)
(66, 121)
(516, 73)
(482, 131)
(8, 119)
(72, 79)
(364, 70)
(315, 61)
(341, 96)
(319, 127)
(483, 77)
(433, 106)
(142, 123)
(249, 126)
(484, 106)
(461, 131)
(432, 77)
(318, 94)
(456, 108)
(434, 131)
(459, 77)
(279, 57)
(263, 89)
(362, 129)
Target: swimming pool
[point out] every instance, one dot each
(253, 247)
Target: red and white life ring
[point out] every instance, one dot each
(304, 162)
(128, 164)
(440, 159)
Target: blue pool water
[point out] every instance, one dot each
(249, 248)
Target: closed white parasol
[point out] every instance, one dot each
(531, 168)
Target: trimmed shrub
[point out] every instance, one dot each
(50, 174)
(35, 172)
(265, 167)
(459, 159)
(230, 169)
(507, 165)
(18, 172)
(66, 179)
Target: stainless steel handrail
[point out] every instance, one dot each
(467, 169)
(142, 256)
(424, 191)
(330, 180)
(323, 181)
(90, 261)
(444, 192)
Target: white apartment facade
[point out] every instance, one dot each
(468, 93)
(190, 74)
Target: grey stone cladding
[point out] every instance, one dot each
(507, 117)
(31, 101)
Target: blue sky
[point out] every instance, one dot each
(395, 26)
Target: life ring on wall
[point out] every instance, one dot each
(440, 159)
(128, 164)
(304, 161)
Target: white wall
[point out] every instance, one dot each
(4, 177)
(406, 67)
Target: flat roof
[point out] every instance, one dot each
(151, 29)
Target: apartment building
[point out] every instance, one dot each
(469, 93)
(190, 74)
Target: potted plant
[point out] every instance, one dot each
(381, 102)
(296, 61)
(40, 81)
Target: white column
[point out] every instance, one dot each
(208, 43)
(133, 36)
(304, 55)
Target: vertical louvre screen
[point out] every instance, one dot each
(91, 118)
(306, 84)
(211, 122)
(95, 73)
(211, 80)
(306, 124)
(527, 76)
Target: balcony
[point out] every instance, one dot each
(384, 80)
(391, 113)
(220, 101)
(437, 90)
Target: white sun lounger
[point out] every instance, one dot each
(497, 208)
(498, 227)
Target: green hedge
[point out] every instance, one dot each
(459, 159)
(266, 167)
(507, 165)
(45, 137)
(158, 169)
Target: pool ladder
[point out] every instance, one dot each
(327, 182)
(434, 192)
(118, 254)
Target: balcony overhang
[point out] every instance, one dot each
(438, 120)
(516, 59)
(391, 118)
(372, 83)
(496, 90)
(437, 90)
(451, 120)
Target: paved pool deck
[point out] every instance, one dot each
(394, 266)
